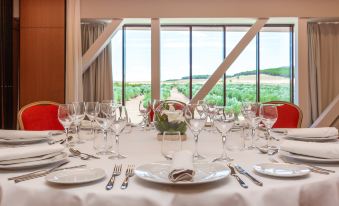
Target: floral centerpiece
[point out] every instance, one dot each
(169, 117)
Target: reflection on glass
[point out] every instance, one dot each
(138, 69)
(175, 60)
(274, 64)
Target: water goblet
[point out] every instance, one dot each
(223, 122)
(268, 115)
(66, 118)
(104, 119)
(171, 143)
(91, 111)
(119, 123)
(195, 123)
(250, 111)
(79, 115)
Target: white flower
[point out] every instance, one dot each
(173, 115)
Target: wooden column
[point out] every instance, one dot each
(42, 51)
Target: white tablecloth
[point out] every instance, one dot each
(142, 147)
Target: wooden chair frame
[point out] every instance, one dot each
(291, 104)
(21, 125)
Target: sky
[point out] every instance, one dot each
(207, 53)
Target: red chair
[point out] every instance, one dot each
(289, 115)
(42, 115)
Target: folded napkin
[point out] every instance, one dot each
(29, 151)
(19, 134)
(182, 167)
(313, 132)
(314, 149)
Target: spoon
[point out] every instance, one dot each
(265, 150)
(61, 140)
(78, 153)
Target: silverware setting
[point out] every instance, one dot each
(83, 156)
(234, 174)
(265, 150)
(116, 172)
(244, 172)
(36, 175)
(311, 167)
(129, 173)
(45, 170)
(61, 141)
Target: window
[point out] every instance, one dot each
(190, 54)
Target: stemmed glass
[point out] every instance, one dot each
(223, 122)
(92, 110)
(66, 117)
(196, 122)
(119, 123)
(154, 104)
(104, 118)
(250, 111)
(144, 111)
(79, 115)
(269, 115)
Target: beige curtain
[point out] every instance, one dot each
(97, 79)
(73, 52)
(323, 65)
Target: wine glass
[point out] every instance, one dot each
(250, 111)
(144, 111)
(223, 122)
(201, 105)
(269, 115)
(171, 143)
(196, 122)
(104, 118)
(79, 115)
(66, 118)
(119, 123)
(92, 110)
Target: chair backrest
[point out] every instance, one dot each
(42, 115)
(289, 115)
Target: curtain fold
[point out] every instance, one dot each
(323, 41)
(97, 79)
(73, 53)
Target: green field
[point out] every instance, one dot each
(235, 92)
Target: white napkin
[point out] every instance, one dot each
(313, 132)
(29, 151)
(314, 149)
(182, 167)
(20, 134)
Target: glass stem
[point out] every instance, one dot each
(66, 132)
(117, 143)
(252, 136)
(196, 138)
(223, 138)
(92, 129)
(77, 130)
(105, 139)
(269, 137)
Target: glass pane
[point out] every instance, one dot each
(207, 55)
(241, 76)
(116, 43)
(274, 64)
(138, 69)
(175, 63)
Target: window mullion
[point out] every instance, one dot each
(258, 67)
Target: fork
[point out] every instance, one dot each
(116, 172)
(129, 173)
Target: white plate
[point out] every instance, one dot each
(25, 165)
(313, 139)
(76, 176)
(307, 158)
(23, 140)
(281, 169)
(204, 173)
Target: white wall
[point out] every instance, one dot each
(208, 8)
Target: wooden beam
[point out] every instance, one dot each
(228, 61)
(329, 115)
(100, 44)
(155, 58)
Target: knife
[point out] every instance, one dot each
(243, 172)
(234, 174)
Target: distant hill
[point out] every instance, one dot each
(279, 71)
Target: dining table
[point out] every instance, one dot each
(142, 147)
